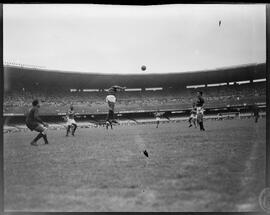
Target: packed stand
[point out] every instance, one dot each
(94, 102)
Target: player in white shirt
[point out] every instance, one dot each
(71, 123)
(111, 100)
(193, 116)
(158, 114)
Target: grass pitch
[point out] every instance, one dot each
(221, 169)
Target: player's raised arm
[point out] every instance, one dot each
(116, 88)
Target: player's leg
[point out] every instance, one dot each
(68, 130)
(203, 129)
(69, 126)
(42, 133)
(189, 121)
(194, 122)
(74, 125)
(45, 137)
(199, 120)
(256, 118)
(32, 128)
(201, 125)
(34, 141)
(107, 122)
(111, 118)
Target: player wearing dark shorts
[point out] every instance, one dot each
(256, 113)
(35, 123)
(199, 106)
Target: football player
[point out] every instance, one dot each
(110, 100)
(158, 114)
(256, 113)
(193, 116)
(200, 110)
(35, 123)
(71, 123)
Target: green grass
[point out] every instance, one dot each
(221, 169)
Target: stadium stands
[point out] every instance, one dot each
(94, 102)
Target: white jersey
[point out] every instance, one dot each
(111, 98)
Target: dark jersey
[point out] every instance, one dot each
(111, 106)
(110, 115)
(70, 114)
(256, 111)
(199, 102)
(32, 118)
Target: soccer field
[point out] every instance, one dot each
(221, 169)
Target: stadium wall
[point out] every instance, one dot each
(18, 119)
(16, 78)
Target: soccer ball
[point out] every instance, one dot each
(143, 68)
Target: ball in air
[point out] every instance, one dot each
(143, 68)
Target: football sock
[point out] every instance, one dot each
(45, 138)
(75, 127)
(201, 126)
(68, 129)
(37, 138)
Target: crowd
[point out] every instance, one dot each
(93, 102)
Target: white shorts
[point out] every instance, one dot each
(71, 121)
(200, 110)
(193, 116)
(157, 118)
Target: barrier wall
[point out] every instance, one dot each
(13, 119)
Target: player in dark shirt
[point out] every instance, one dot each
(200, 100)
(35, 123)
(199, 106)
(256, 113)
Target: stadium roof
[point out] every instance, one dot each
(19, 77)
